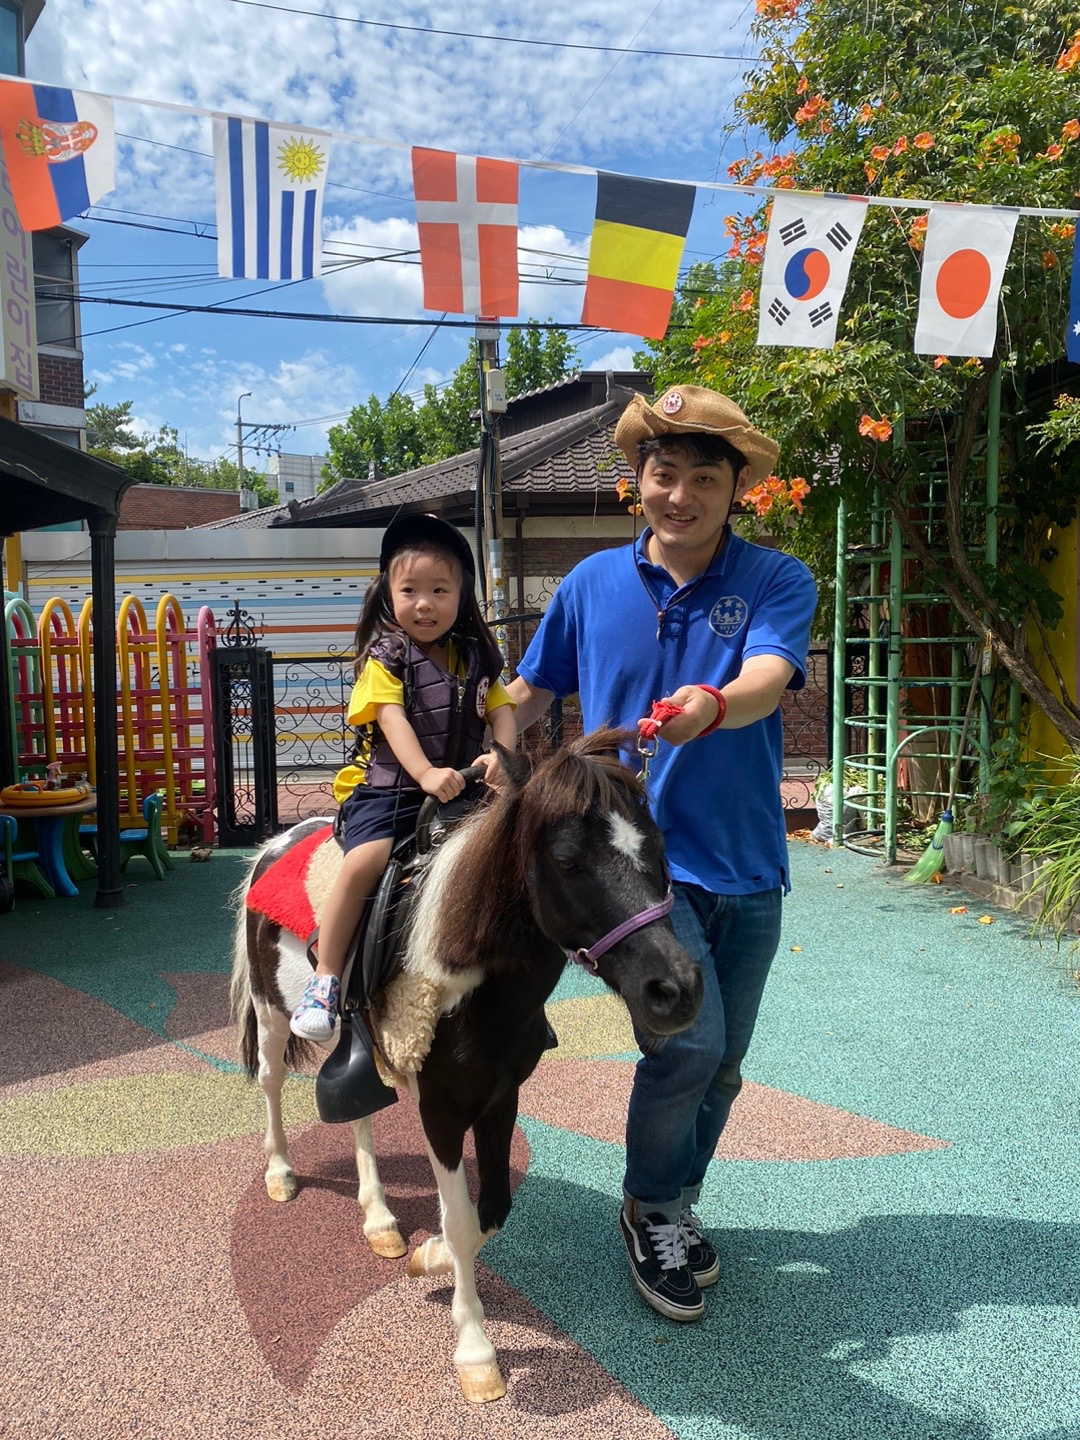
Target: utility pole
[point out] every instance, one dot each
(258, 435)
(240, 445)
(492, 409)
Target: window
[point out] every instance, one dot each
(62, 437)
(289, 487)
(11, 38)
(54, 277)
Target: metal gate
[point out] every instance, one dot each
(242, 688)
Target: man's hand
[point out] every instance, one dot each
(699, 710)
(444, 784)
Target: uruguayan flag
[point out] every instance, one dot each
(269, 182)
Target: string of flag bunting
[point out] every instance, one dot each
(59, 148)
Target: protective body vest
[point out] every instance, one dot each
(447, 712)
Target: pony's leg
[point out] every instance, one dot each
(474, 1355)
(493, 1133)
(380, 1226)
(273, 1036)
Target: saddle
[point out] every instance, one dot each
(348, 1085)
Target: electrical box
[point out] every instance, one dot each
(495, 392)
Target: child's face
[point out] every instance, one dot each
(425, 591)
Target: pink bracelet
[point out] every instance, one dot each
(721, 710)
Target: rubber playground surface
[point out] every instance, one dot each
(895, 1201)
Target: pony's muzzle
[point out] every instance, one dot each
(671, 1005)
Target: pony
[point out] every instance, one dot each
(563, 862)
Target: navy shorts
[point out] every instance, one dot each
(374, 813)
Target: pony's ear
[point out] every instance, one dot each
(516, 766)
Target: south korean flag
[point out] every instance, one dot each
(808, 255)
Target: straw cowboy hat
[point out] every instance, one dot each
(694, 410)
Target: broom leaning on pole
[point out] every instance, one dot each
(932, 860)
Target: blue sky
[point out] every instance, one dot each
(151, 238)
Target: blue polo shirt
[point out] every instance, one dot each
(717, 799)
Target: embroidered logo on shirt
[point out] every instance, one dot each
(481, 696)
(728, 616)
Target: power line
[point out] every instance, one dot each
(501, 39)
(206, 155)
(250, 313)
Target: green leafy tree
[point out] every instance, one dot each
(398, 435)
(386, 434)
(159, 460)
(913, 101)
(535, 358)
(107, 427)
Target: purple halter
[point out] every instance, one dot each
(587, 958)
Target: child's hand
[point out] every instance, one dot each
(489, 763)
(442, 783)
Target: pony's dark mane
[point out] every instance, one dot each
(487, 894)
(585, 775)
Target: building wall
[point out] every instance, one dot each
(297, 477)
(174, 507)
(1063, 573)
(60, 378)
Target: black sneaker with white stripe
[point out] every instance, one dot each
(658, 1262)
(700, 1255)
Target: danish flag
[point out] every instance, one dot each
(467, 217)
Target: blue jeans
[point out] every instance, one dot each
(684, 1091)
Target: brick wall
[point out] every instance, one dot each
(60, 380)
(556, 555)
(172, 507)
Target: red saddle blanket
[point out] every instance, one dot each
(280, 893)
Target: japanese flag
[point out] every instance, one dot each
(964, 262)
(808, 254)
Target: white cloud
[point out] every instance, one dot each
(621, 358)
(640, 114)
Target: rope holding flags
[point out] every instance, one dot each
(59, 146)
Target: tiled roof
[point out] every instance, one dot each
(571, 458)
(247, 519)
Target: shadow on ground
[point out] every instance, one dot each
(806, 1335)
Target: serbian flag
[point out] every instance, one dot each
(60, 149)
(269, 182)
(637, 246)
(1072, 334)
(963, 266)
(467, 219)
(808, 254)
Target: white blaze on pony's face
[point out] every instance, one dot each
(627, 839)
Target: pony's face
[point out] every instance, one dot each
(587, 874)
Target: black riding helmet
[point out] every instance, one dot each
(415, 529)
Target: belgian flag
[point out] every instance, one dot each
(637, 245)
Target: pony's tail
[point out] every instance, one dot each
(241, 1005)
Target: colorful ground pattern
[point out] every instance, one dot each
(894, 1201)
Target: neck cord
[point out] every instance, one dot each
(682, 594)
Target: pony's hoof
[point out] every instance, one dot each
(481, 1383)
(430, 1258)
(387, 1243)
(282, 1187)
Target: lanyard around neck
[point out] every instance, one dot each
(683, 592)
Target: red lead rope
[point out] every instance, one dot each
(662, 711)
